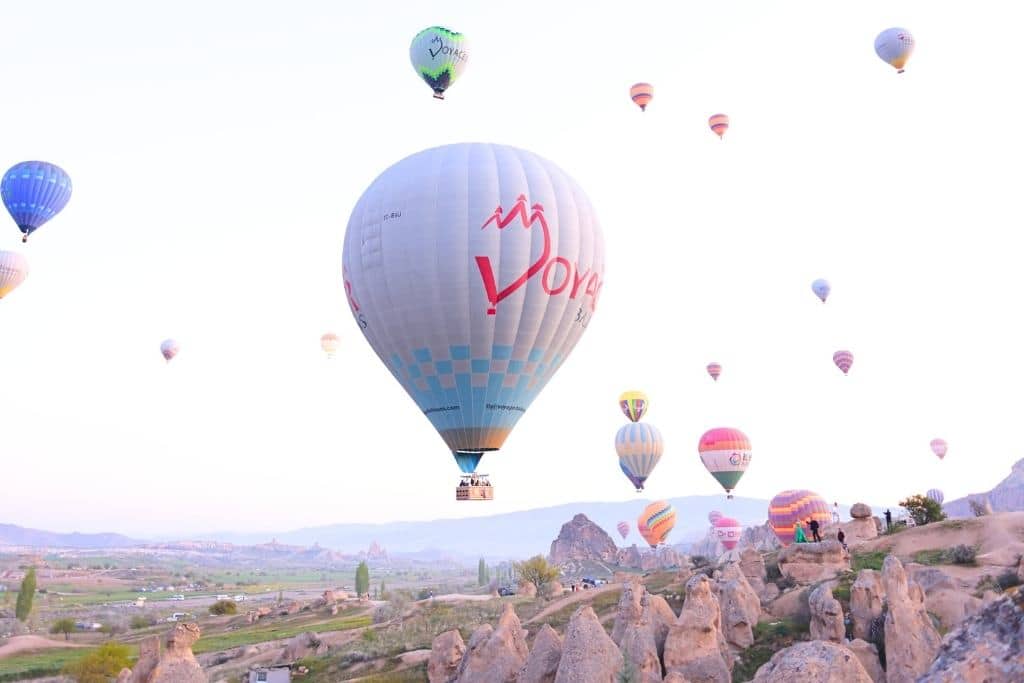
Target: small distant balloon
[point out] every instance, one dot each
(936, 495)
(34, 192)
(894, 47)
(728, 531)
(13, 271)
(714, 369)
(623, 528)
(439, 57)
(821, 289)
(633, 404)
(169, 349)
(330, 342)
(719, 123)
(642, 94)
(656, 521)
(843, 360)
(939, 447)
(714, 516)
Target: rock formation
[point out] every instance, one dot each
(860, 511)
(817, 661)
(695, 643)
(761, 538)
(911, 640)
(1007, 496)
(628, 611)
(581, 539)
(942, 596)
(641, 650)
(495, 655)
(861, 527)
(176, 664)
(445, 656)
(987, 647)
(526, 589)
(658, 613)
(629, 557)
(808, 563)
(542, 662)
(752, 566)
(302, 645)
(826, 615)
(867, 654)
(740, 607)
(588, 654)
(866, 598)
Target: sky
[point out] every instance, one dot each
(217, 149)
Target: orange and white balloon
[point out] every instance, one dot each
(330, 342)
(719, 123)
(642, 94)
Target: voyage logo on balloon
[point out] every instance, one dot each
(557, 274)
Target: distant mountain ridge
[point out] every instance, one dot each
(1007, 496)
(16, 535)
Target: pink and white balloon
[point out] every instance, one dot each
(169, 349)
(623, 528)
(843, 360)
(728, 531)
(939, 447)
(714, 369)
(714, 516)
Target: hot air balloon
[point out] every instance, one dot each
(719, 123)
(790, 507)
(843, 360)
(714, 369)
(726, 453)
(634, 404)
(623, 528)
(728, 531)
(639, 446)
(714, 516)
(472, 271)
(330, 342)
(821, 289)
(13, 271)
(439, 57)
(34, 192)
(936, 495)
(169, 349)
(939, 447)
(656, 521)
(641, 94)
(894, 46)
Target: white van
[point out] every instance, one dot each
(223, 597)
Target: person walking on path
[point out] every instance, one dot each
(888, 521)
(813, 523)
(798, 534)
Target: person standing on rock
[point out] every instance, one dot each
(813, 523)
(798, 534)
(888, 521)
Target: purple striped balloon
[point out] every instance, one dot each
(843, 360)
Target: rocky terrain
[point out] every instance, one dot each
(1007, 496)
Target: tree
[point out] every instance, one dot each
(537, 571)
(923, 509)
(383, 590)
(362, 580)
(65, 626)
(101, 665)
(25, 595)
(139, 621)
(481, 573)
(224, 607)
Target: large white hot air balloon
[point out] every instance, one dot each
(13, 271)
(473, 270)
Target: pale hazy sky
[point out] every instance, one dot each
(217, 148)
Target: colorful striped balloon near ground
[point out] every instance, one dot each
(642, 94)
(728, 531)
(789, 507)
(939, 448)
(639, 446)
(843, 360)
(633, 404)
(623, 528)
(656, 521)
(726, 453)
(936, 495)
(719, 123)
(714, 369)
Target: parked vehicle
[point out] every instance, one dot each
(223, 597)
(506, 591)
(239, 598)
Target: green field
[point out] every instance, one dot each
(257, 634)
(40, 664)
